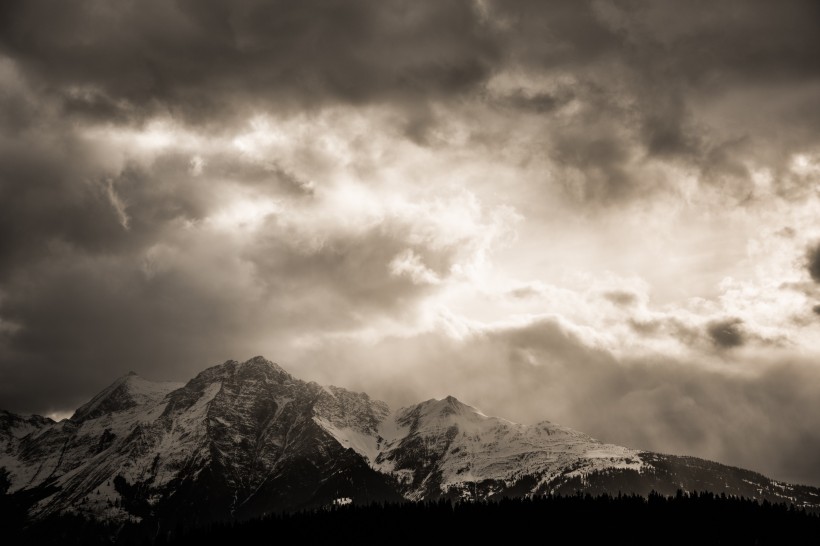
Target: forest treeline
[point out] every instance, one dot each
(686, 518)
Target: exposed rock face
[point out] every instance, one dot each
(244, 439)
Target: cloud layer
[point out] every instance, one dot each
(598, 213)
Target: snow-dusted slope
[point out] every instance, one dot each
(447, 446)
(244, 439)
(352, 418)
(239, 438)
(13, 430)
(127, 392)
(75, 460)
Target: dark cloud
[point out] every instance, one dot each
(787, 232)
(621, 298)
(665, 131)
(84, 319)
(665, 79)
(56, 190)
(536, 103)
(720, 334)
(602, 164)
(215, 58)
(726, 334)
(668, 327)
(645, 77)
(526, 291)
(813, 262)
(48, 193)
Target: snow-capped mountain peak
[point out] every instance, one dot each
(432, 416)
(126, 392)
(260, 364)
(448, 445)
(448, 405)
(242, 439)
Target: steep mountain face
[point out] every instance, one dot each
(237, 440)
(123, 394)
(245, 439)
(13, 430)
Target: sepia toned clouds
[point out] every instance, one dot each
(598, 213)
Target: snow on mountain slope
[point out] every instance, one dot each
(48, 451)
(237, 428)
(353, 419)
(448, 445)
(13, 428)
(245, 439)
(126, 392)
(76, 459)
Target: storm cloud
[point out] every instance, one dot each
(726, 333)
(600, 213)
(813, 262)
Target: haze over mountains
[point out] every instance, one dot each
(244, 439)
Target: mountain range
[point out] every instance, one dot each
(241, 440)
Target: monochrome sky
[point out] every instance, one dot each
(602, 213)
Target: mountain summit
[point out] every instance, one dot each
(244, 439)
(126, 392)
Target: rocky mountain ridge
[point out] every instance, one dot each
(244, 439)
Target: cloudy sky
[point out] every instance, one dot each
(602, 213)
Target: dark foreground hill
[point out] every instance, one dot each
(696, 518)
